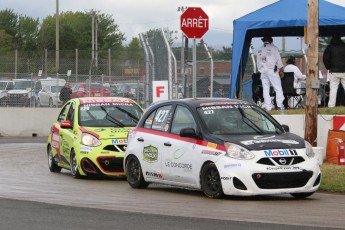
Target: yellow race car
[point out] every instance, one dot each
(89, 136)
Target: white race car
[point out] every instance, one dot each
(220, 146)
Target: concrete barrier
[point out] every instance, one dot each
(27, 122)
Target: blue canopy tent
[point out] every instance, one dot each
(283, 18)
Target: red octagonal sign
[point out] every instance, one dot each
(194, 22)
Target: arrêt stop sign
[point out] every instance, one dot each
(194, 22)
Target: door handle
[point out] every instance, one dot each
(167, 144)
(140, 139)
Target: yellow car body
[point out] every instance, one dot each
(89, 137)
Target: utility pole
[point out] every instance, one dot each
(312, 82)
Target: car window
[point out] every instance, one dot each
(183, 118)
(63, 112)
(162, 118)
(239, 119)
(70, 114)
(149, 120)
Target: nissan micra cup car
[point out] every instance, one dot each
(89, 136)
(219, 146)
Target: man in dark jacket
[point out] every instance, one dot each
(334, 61)
(65, 93)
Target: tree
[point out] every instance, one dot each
(21, 30)
(76, 31)
(135, 51)
(224, 54)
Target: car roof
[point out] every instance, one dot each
(197, 102)
(105, 100)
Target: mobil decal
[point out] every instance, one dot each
(280, 152)
(119, 141)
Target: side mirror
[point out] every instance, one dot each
(188, 132)
(66, 125)
(286, 128)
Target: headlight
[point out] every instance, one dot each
(237, 152)
(309, 150)
(89, 140)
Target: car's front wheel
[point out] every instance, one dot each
(210, 181)
(74, 165)
(134, 173)
(53, 167)
(302, 195)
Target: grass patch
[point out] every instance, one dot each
(333, 178)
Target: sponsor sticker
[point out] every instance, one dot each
(150, 154)
(119, 141)
(85, 149)
(280, 152)
(211, 145)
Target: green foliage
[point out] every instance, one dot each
(135, 51)
(224, 54)
(75, 31)
(19, 32)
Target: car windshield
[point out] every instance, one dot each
(3, 85)
(56, 89)
(119, 115)
(229, 119)
(23, 84)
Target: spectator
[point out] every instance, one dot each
(298, 77)
(65, 93)
(269, 61)
(333, 59)
(219, 93)
(207, 93)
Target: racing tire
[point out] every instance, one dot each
(51, 105)
(211, 183)
(134, 173)
(301, 195)
(53, 167)
(74, 165)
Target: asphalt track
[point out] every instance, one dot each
(31, 197)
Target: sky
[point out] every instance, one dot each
(139, 16)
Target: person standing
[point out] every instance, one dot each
(65, 93)
(334, 61)
(219, 93)
(298, 77)
(269, 62)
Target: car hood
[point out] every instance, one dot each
(17, 91)
(262, 142)
(105, 133)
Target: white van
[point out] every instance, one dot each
(49, 95)
(24, 92)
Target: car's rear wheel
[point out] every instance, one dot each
(51, 105)
(134, 173)
(302, 195)
(74, 165)
(53, 167)
(210, 181)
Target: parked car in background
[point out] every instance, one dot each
(24, 93)
(89, 136)
(49, 95)
(5, 86)
(221, 147)
(89, 90)
(134, 91)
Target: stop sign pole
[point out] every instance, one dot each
(194, 24)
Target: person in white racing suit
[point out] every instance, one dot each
(270, 65)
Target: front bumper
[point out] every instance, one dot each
(247, 179)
